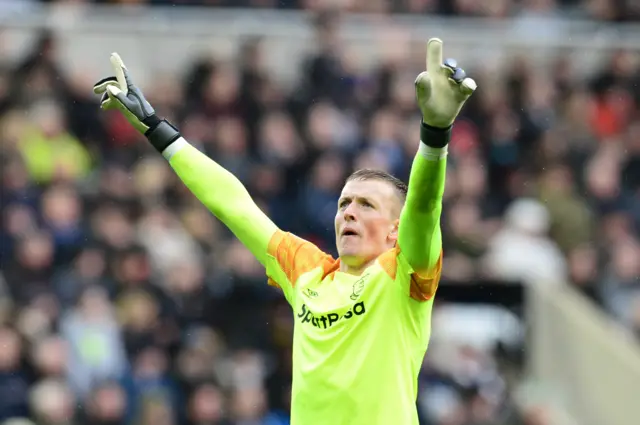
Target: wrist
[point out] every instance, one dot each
(434, 137)
(161, 133)
(431, 153)
(174, 147)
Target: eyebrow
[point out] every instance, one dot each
(352, 197)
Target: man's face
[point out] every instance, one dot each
(366, 221)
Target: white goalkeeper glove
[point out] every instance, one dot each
(119, 92)
(441, 91)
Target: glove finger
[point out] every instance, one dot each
(434, 54)
(106, 103)
(117, 97)
(448, 67)
(118, 67)
(127, 78)
(423, 86)
(101, 86)
(446, 71)
(450, 63)
(458, 76)
(468, 86)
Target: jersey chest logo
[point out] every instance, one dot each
(358, 287)
(330, 302)
(310, 293)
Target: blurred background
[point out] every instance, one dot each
(124, 302)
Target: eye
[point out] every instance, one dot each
(343, 204)
(366, 204)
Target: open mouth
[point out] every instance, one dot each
(349, 233)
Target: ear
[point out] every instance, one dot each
(393, 233)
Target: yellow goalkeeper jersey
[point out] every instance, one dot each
(359, 341)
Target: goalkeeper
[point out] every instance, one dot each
(362, 321)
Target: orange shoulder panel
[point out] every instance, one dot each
(422, 287)
(297, 256)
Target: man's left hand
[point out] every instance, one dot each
(442, 89)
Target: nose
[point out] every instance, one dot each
(349, 214)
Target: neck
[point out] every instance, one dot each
(354, 269)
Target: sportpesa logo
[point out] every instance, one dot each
(326, 321)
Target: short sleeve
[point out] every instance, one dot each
(289, 257)
(420, 287)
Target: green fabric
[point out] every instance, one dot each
(226, 197)
(45, 157)
(419, 234)
(358, 345)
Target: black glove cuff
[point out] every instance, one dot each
(435, 137)
(161, 133)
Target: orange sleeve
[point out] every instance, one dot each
(421, 286)
(295, 256)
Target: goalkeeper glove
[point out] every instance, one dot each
(119, 92)
(441, 91)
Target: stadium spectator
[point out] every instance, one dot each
(166, 319)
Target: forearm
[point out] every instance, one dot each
(420, 236)
(219, 190)
(223, 194)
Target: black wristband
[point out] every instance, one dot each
(161, 133)
(433, 136)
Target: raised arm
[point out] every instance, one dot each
(441, 92)
(285, 256)
(219, 190)
(224, 195)
(419, 234)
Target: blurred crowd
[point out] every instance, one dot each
(123, 301)
(608, 10)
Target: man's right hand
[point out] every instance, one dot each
(119, 92)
